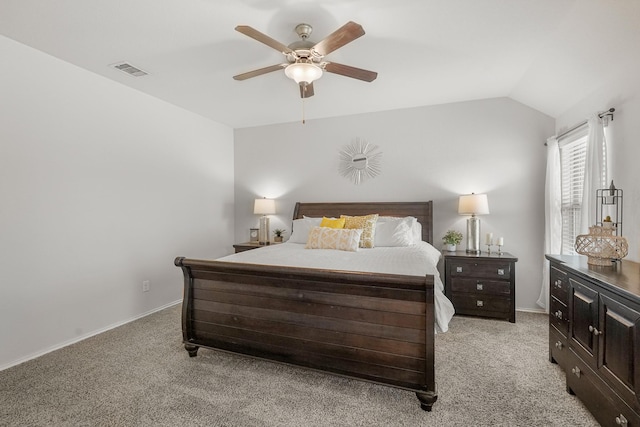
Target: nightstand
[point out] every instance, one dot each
(247, 246)
(481, 284)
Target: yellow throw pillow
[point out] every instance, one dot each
(368, 225)
(334, 238)
(332, 222)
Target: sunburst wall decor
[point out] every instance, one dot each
(360, 161)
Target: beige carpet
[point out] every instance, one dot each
(489, 373)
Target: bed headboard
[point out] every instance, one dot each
(423, 211)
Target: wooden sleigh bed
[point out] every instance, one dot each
(369, 326)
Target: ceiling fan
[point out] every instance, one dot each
(306, 59)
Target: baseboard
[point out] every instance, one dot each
(85, 336)
(532, 310)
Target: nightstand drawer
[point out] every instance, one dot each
(480, 305)
(480, 286)
(484, 269)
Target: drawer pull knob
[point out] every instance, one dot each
(479, 286)
(594, 331)
(558, 283)
(621, 420)
(559, 345)
(501, 272)
(479, 303)
(558, 314)
(458, 269)
(576, 371)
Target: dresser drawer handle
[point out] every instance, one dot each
(479, 303)
(621, 420)
(576, 371)
(594, 331)
(558, 283)
(501, 272)
(558, 314)
(479, 286)
(559, 345)
(458, 269)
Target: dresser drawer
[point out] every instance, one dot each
(605, 405)
(481, 305)
(559, 285)
(480, 286)
(484, 269)
(559, 316)
(558, 349)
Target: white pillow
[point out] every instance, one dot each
(417, 232)
(392, 231)
(301, 228)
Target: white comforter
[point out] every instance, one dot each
(417, 260)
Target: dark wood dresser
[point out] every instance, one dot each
(594, 335)
(482, 284)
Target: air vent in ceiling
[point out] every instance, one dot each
(125, 67)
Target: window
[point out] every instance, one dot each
(573, 156)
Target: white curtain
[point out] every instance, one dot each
(552, 216)
(595, 172)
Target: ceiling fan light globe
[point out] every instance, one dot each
(302, 72)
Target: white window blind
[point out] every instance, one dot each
(573, 156)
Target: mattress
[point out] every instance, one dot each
(416, 260)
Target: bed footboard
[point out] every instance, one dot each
(374, 327)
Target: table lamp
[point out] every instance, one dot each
(473, 204)
(264, 207)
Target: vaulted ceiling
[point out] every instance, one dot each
(547, 54)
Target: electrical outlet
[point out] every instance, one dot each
(146, 285)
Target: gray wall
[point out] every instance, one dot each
(429, 153)
(101, 187)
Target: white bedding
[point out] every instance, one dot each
(418, 260)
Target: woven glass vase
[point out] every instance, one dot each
(601, 247)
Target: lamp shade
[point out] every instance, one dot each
(264, 207)
(303, 72)
(473, 204)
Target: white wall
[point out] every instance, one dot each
(429, 153)
(623, 93)
(101, 187)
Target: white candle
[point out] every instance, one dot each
(489, 238)
(501, 241)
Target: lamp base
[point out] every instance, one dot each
(263, 233)
(473, 235)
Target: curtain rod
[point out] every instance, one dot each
(602, 114)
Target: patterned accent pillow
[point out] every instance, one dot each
(368, 225)
(334, 238)
(332, 222)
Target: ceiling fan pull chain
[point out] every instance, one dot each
(303, 121)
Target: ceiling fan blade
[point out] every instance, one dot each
(259, 72)
(353, 72)
(343, 35)
(306, 90)
(263, 38)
